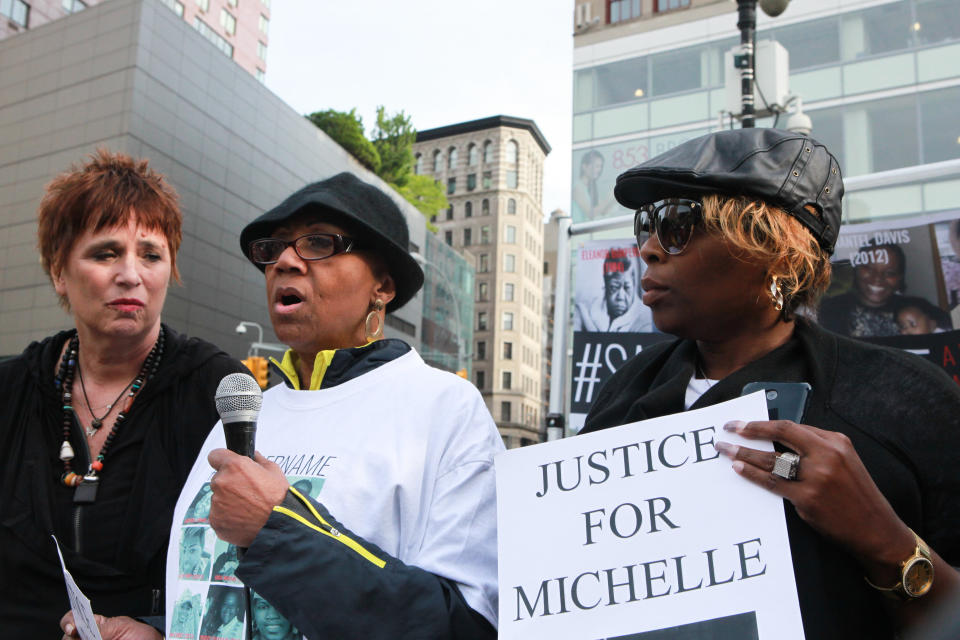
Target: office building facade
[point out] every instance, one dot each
(239, 29)
(131, 76)
(878, 78)
(492, 171)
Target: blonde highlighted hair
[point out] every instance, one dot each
(765, 234)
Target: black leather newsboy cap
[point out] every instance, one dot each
(782, 168)
(368, 212)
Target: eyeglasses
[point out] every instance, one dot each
(313, 246)
(673, 221)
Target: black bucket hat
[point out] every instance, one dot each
(366, 210)
(782, 168)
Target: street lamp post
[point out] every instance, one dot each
(259, 344)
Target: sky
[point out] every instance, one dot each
(441, 62)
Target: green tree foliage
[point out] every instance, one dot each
(426, 195)
(393, 138)
(346, 129)
(389, 154)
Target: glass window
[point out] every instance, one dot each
(512, 179)
(228, 22)
(418, 164)
(938, 21)
(484, 257)
(875, 31)
(204, 5)
(479, 376)
(437, 161)
(473, 155)
(233, 3)
(450, 212)
(811, 44)
(448, 237)
(484, 235)
(675, 71)
(485, 207)
(483, 292)
(481, 350)
(621, 10)
(487, 179)
(487, 152)
(467, 236)
(471, 181)
(508, 291)
(468, 210)
(621, 81)
(452, 158)
(507, 380)
(513, 152)
(512, 206)
(262, 54)
(261, 75)
(660, 6)
(451, 186)
(505, 411)
(207, 32)
(509, 263)
(510, 234)
(893, 133)
(939, 125)
(73, 6)
(507, 322)
(266, 3)
(264, 24)
(482, 321)
(508, 351)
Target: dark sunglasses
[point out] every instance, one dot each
(672, 219)
(313, 246)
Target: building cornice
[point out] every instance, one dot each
(493, 122)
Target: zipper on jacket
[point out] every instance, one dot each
(78, 508)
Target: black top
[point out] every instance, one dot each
(121, 537)
(902, 414)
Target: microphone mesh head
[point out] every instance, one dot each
(238, 398)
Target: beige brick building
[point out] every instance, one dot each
(238, 28)
(492, 171)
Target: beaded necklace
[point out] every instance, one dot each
(87, 484)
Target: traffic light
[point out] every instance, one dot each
(258, 367)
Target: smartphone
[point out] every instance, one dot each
(785, 400)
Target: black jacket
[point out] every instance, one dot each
(123, 535)
(902, 414)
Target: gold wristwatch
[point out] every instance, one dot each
(916, 575)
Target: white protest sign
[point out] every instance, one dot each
(79, 603)
(643, 527)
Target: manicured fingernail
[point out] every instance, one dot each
(69, 629)
(725, 448)
(734, 425)
(738, 466)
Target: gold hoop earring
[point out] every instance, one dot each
(374, 315)
(776, 295)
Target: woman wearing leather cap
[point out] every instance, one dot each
(399, 540)
(741, 225)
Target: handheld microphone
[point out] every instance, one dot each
(238, 401)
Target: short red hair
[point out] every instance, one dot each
(106, 192)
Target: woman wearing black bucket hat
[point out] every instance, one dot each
(397, 537)
(736, 229)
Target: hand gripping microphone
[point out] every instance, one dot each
(238, 401)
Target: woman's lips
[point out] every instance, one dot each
(653, 291)
(126, 305)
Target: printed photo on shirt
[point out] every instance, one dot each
(195, 553)
(307, 486)
(199, 510)
(186, 616)
(268, 623)
(224, 614)
(225, 563)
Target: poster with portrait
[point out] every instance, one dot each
(610, 321)
(595, 171)
(897, 283)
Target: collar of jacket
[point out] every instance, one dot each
(335, 366)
